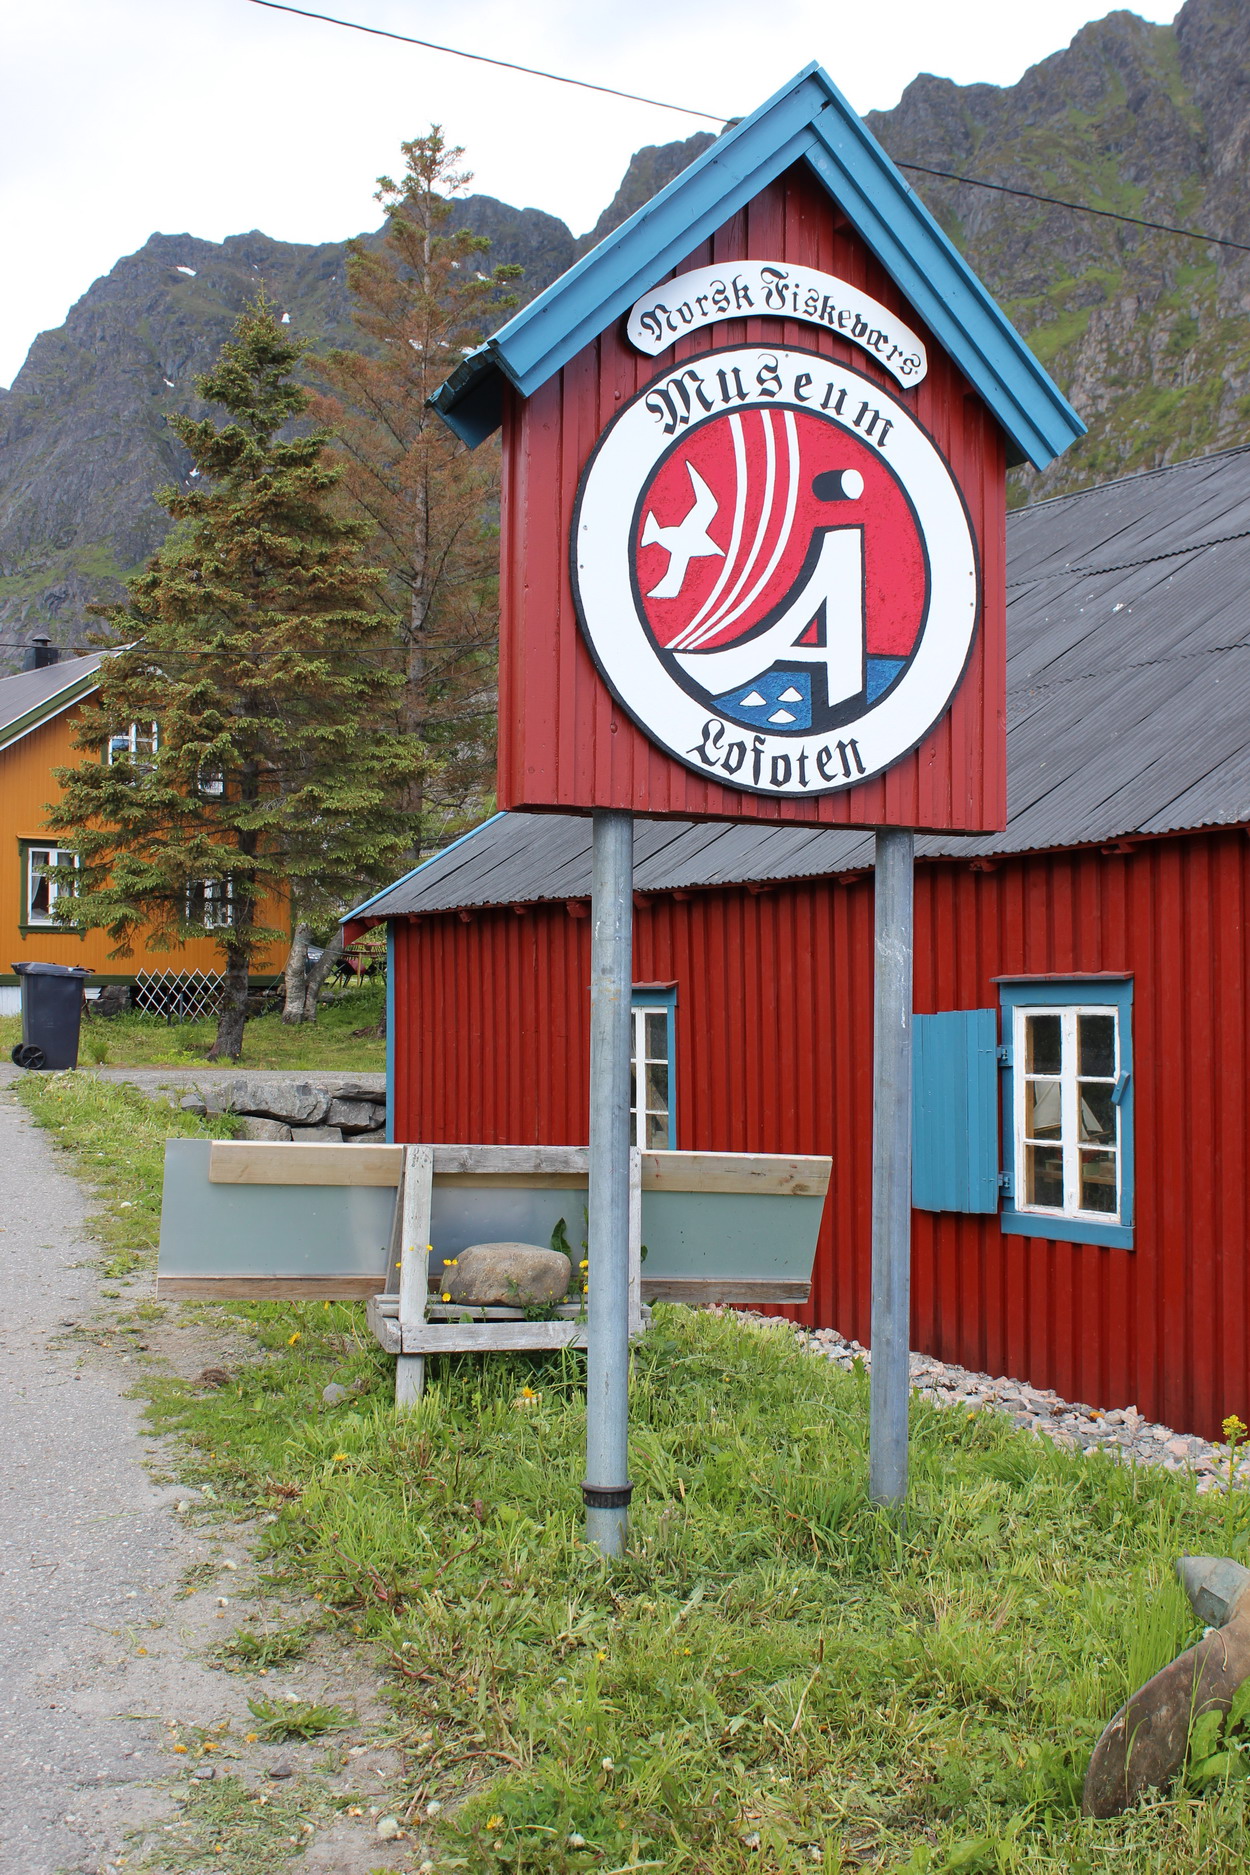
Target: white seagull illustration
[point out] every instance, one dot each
(688, 541)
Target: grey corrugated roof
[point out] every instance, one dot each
(1128, 708)
(31, 693)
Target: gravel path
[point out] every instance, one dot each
(112, 1585)
(85, 1535)
(1075, 1427)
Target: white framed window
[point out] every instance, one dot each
(210, 903)
(1068, 1088)
(134, 745)
(651, 1117)
(42, 887)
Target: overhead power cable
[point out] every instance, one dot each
(482, 58)
(1080, 208)
(711, 117)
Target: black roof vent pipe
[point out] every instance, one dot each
(42, 653)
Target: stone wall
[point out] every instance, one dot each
(330, 1108)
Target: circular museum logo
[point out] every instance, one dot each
(775, 570)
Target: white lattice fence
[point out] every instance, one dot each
(179, 996)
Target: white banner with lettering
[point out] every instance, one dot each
(750, 287)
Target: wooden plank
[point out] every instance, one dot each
(545, 1181)
(272, 1288)
(265, 1162)
(414, 1255)
(293, 1162)
(764, 1172)
(465, 1337)
(507, 1162)
(635, 1241)
(702, 1292)
(384, 1324)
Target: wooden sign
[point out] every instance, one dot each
(755, 456)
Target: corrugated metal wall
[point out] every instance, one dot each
(774, 1054)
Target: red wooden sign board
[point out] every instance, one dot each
(769, 539)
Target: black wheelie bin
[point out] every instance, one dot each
(51, 1014)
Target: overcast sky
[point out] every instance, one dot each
(122, 118)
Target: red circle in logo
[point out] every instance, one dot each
(779, 568)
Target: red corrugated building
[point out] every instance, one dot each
(1082, 1130)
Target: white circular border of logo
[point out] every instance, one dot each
(603, 585)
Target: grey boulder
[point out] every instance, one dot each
(319, 1135)
(255, 1126)
(507, 1275)
(354, 1116)
(299, 1103)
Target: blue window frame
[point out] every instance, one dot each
(653, 1093)
(1067, 1108)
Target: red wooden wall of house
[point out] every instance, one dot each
(773, 1054)
(564, 742)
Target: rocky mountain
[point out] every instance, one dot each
(1147, 332)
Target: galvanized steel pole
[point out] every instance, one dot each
(606, 1490)
(889, 1390)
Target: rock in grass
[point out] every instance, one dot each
(256, 1126)
(333, 1393)
(507, 1275)
(193, 1103)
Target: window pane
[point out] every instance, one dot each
(1043, 1173)
(633, 1084)
(1097, 1045)
(657, 1132)
(1043, 1110)
(1097, 1112)
(41, 893)
(1043, 1044)
(657, 1035)
(657, 1086)
(1098, 1181)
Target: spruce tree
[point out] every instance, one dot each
(256, 645)
(422, 298)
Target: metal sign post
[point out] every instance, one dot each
(889, 1388)
(606, 1491)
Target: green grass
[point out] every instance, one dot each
(776, 1678)
(140, 1041)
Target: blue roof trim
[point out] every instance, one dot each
(810, 119)
(360, 911)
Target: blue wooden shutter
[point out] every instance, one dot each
(955, 1111)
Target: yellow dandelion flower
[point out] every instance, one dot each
(340, 1458)
(584, 1264)
(601, 1655)
(292, 1339)
(446, 1263)
(250, 1738)
(179, 1747)
(446, 1295)
(494, 1822)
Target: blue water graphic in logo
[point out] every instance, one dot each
(779, 699)
(881, 674)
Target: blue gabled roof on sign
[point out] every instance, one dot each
(809, 119)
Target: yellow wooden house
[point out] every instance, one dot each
(38, 711)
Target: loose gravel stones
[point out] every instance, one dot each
(1122, 1431)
